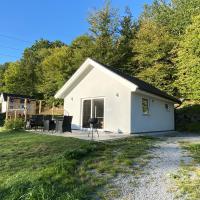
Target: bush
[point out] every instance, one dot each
(190, 127)
(14, 124)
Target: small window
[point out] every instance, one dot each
(145, 106)
(167, 107)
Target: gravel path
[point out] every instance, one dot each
(155, 183)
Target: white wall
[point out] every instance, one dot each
(3, 104)
(4, 107)
(159, 119)
(96, 84)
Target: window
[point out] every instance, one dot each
(167, 107)
(145, 106)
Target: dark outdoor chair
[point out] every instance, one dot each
(47, 117)
(93, 126)
(36, 121)
(2, 118)
(63, 124)
(49, 125)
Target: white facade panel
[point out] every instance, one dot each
(117, 101)
(4, 107)
(158, 119)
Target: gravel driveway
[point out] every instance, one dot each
(155, 183)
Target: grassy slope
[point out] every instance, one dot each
(46, 167)
(188, 178)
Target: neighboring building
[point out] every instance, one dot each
(122, 103)
(16, 103)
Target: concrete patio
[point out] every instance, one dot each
(83, 135)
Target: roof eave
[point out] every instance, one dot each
(172, 99)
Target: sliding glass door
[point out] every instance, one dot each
(86, 113)
(93, 108)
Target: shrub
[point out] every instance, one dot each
(190, 127)
(14, 124)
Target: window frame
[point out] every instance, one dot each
(148, 106)
(167, 107)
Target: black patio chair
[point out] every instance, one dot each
(2, 118)
(64, 124)
(36, 121)
(49, 125)
(93, 126)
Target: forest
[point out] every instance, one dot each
(161, 47)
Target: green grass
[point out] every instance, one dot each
(188, 177)
(43, 167)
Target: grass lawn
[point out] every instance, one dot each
(43, 167)
(188, 178)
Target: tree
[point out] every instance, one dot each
(57, 69)
(15, 80)
(175, 15)
(3, 68)
(82, 47)
(125, 52)
(104, 26)
(188, 61)
(153, 44)
(154, 55)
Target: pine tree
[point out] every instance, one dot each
(104, 31)
(125, 52)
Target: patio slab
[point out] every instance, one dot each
(83, 135)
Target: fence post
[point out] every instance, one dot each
(7, 107)
(25, 109)
(52, 109)
(40, 107)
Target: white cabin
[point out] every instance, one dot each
(121, 103)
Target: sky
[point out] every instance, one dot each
(24, 21)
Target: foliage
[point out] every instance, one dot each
(14, 82)
(162, 25)
(161, 47)
(175, 15)
(154, 45)
(103, 28)
(51, 167)
(14, 124)
(187, 118)
(82, 47)
(188, 61)
(125, 53)
(161, 76)
(3, 68)
(190, 127)
(57, 68)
